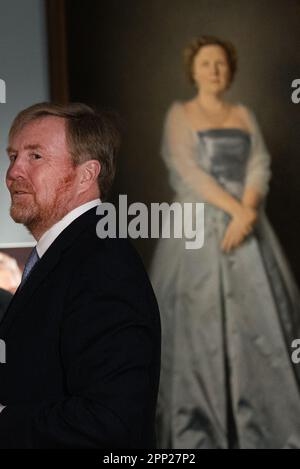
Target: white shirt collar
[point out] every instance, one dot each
(50, 236)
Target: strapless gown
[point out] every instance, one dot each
(228, 321)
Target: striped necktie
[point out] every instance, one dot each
(31, 262)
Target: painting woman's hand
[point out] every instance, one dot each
(239, 228)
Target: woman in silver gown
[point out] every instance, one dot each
(231, 309)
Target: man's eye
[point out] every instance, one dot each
(36, 156)
(12, 158)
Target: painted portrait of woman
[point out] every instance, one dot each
(231, 309)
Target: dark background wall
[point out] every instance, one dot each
(128, 55)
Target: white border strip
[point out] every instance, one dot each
(17, 245)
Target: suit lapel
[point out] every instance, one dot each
(45, 265)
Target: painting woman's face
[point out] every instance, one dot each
(211, 69)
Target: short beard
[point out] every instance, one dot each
(31, 217)
(22, 213)
(39, 219)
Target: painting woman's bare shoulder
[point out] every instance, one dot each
(242, 116)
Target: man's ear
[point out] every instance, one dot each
(90, 171)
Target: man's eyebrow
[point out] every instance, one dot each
(32, 146)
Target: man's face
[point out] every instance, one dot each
(41, 177)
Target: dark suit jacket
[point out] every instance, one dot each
(82, 348)
(5, 298)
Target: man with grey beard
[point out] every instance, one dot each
(82, 333)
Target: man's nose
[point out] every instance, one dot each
(16, 169)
